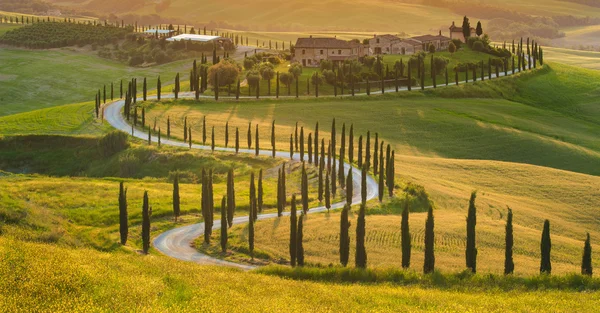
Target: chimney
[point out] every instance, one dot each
(310, 36)
(453, 24)
(440, 33)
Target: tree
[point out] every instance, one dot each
(586, 262)
(257, 144)
(471, 250)
(405, 236)
(301, 144)
(259, 202)
(287, 79)
(327, 192)
(431, 48)
(351, 144)
(545, 247)
(251, 220)
(224, 225)
(381, 185)
(299, 246)
(390, 174)
(466, 28)
(361, 252)
(296, 70)
(367, 162)
(227, 72)
(273, 138)
(429, 264)
(452, 48)
(349, 187)
(237, 140)
(479, 29)
(363, 185)
(344, 236)
(176, 204)
(158, 88)
(249, 135)
(267, 72)
(146, 213)
(226, 133)
(293, 233)
(509, 265)
(145, 89)
(123, 226)
(230, 197)
(304, 189)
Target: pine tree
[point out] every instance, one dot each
(361, 252)
(344, 236)
(545, 247)
(299, 237)
(471, 251)
(123, 225)
(429, 263)
(509, 265)
(586, 262)
(224, 225)
(146, 213)
(176, 202)
(293, 233)
(230, 197)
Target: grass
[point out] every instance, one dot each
(39, 79)
(585, 59)
(88, 280)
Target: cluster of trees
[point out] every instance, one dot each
(46, 34)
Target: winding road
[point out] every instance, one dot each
(177, 242)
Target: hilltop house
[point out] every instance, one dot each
(390, 44)
(384, 44)
(456, 32)
(440, 42)
(311, 51)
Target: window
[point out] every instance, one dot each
(309, 61)
(303, 51)
(377, 40)
(332, 52)
(339, 51)
(321, 51)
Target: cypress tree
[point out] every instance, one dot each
(112, 91)
(257, 144)
(381, 185)
(349, 188)
(121, 89)
(149, 136)
(586, 262)
(367, 162)
(301, 144)
(273, 138)
(291, 147)
(176, 202)
(224, 225)
(204, 130)
(296, 138)
(375, 155)
(212, 140)
(168, 127)
(327, 192)
(237, 140)
(293, 233)
(190, 136)
(104, 95)
(226, 134)
(344, 236)
(405, 236)
(123, 226)
(471, 250)
(509, 265)
(363, 185)
(185, 129)
(230, 197)
(252, 197)
(361, 252)
(249, 136)
(310, 149)
(260, 191)
(341, 172)
(143, 117)
(251, 220)
(429, 263)
(316, 148)
(299, 246)
(320, 187)
(304, 189)
(409, 84)
(360, 148)
(280, 197)
(545, 247)
(351, 144)
(146, 213)
(145, 90)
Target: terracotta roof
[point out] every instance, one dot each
(389, 37)
(411, 41)
(332, 43)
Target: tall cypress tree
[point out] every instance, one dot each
(361, 251)
(146, 213)
(293, 232)
(341, 172)
(299, 237)
(586, 262)
(145, 89)
(316, 148)
(176, 202)
(381, 186)
(212, 140)
(257, 144)
(237, 140)
(344, 236)
(273, 136)
(185, 129)
(251, 220)
(123, 226)
(310, 150)
(320, 184)
(304, 189)
(204, 130)
(429, 263)
(249, 135)
(509, 265)
(368, 151)
(252, 197)
(296, 145)
(360, 150)
(363, 185)
(291, 147)
(230, 197)
(471, 250)
(545, 247)
(259, 201)
(224, 225)
(226, 134)
(351, 144)
(301, 144)
(327, 192)
(405, 236)
(349, 187)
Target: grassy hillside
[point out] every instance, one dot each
(37, 79)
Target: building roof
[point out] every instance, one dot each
(160, 31)
(192, 37)
(425, 38)
(454, 28)
(388, 37)
(328, 43)
(411, 41)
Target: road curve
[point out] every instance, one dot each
(177, 242)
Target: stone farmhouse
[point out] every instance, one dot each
(456, 32)
(311, 51)
(390, 44)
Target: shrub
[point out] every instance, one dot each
(326, 65)
(227, 70)
(316, 79)
(136, 60)
(128, 165)
(478, 46)
(295, 69)
(440, 63)
(329, 76)
(113, 142)
(249, 63)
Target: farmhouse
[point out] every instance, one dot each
(439, 42)
(384, 44)
(390, 44)
(456, 32)
(311, 51)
